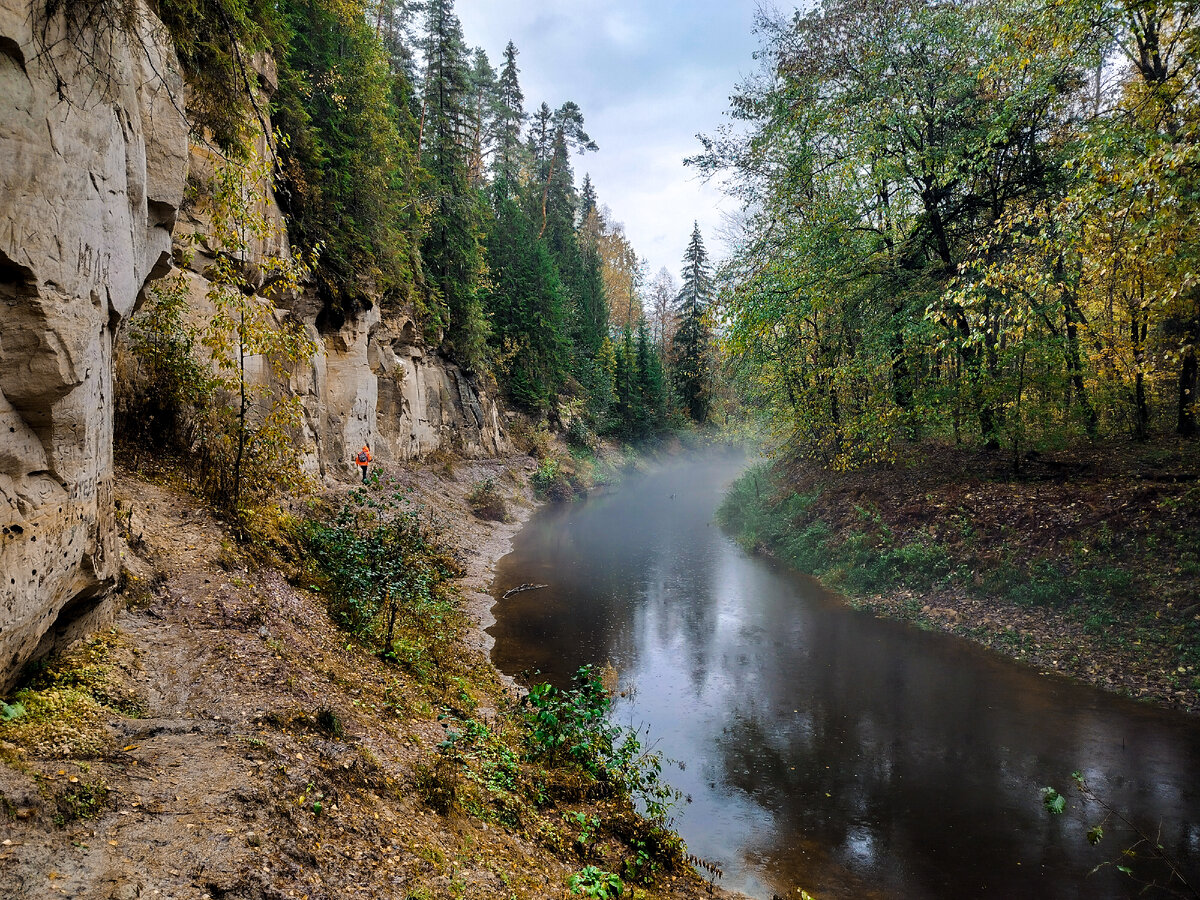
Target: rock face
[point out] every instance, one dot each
(92, 165)
(376, 384)
(94, 158)
(372, 380)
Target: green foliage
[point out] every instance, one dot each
(572, 725)
(161, 385)
(247, 448)
(216, 41)
(452, 249)
(66, 700)
(81, 802)
(591, 881)
(1055, 803)
(861, 562)
(1145, 861)
(387, 577)
(528, 309)
(350, 168)
(550, 480)
(691, 352)
(939, 242)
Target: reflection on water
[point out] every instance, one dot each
(825, 748)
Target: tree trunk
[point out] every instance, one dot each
(1074, 317)
(1186, 426)
(1141, 427)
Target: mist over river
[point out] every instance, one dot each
(824, 748)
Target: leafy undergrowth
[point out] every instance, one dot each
(63, 701)
(246, 736)
(1085, 562)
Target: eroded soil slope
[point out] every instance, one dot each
(241, 746)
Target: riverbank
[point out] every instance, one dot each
(1085, 563)
(225, 739)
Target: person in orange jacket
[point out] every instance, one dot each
(363, 459)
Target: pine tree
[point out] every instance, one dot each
(452, 250)
(480, 115)
(692, 373)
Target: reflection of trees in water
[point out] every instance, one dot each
(931, 751)
(897, 762)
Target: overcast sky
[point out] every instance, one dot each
(648, 75)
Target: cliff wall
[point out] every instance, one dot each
(92, 163)
(94, 159)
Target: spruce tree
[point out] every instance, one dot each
(587, 200)
(508, 120)
(692, 370)
(528, 308)
(651, 380)
(480, 115)
(452, 249)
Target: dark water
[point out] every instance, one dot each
(824, 748)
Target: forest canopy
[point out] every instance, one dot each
(415, 171)
(973, 220)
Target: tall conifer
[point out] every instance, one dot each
(693, 369)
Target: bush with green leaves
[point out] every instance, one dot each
(591, 881)
(487, 502)
(386, 575)
(572, 727)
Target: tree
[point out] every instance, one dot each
(349, 165)
(250, 447)
(691, 350)
(528, 308)
(481, 113)
(663, 292)
(509, 118)
(652, 382)
(557, 135)
(452, 250)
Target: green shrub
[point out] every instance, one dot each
(593, 882)
(386, 577)
(551, 481)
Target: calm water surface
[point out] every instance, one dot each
(825, 748)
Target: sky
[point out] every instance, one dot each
(648, 75)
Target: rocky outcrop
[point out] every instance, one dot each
(373, 380)
(93, 160)
(92, 163)
(376, 383)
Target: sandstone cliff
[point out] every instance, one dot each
(92, 162)
(94, 158)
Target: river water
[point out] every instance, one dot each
(824, 748)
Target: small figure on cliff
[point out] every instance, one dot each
(363, 459)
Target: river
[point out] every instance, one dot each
(822, 747)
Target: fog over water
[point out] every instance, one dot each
(824, 748)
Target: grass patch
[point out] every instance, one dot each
(61, 707)
(862, 561)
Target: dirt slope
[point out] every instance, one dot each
(215, 768)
